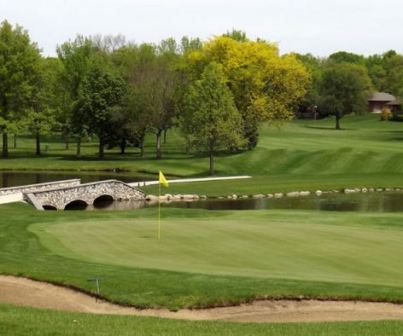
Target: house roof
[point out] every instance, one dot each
(395, 102)
(382, 97)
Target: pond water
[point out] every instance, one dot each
(12, 179)
(362, 202)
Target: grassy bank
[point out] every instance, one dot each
(17, 321)
(364, 146)
(23, 253)
(301, 155)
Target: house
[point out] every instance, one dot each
(380, 100)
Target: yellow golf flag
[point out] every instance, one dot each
(163, 180)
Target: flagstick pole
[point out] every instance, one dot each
(159, 211)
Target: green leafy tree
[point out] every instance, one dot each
(99, 98)
(42, 114)
(153, 80)
(75, 57)
(210, 119)
(346, 57)
(265, 85)
(19, 59)
(345, 88)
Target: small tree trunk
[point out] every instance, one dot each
(5, 144)
(211, 163)
(15, 141)
(101, 146)
(66, 141)
(142, 148)
(165, 135)
(337, 121)
(38, 143)
(78, 151)
(123, 146)
(159, 153)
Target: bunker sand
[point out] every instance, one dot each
(26, 292)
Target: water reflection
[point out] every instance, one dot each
(12, 179)
(369, 202)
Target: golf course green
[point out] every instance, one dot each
(350, 248)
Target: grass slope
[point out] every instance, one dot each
(302, 154)
(365, 146)
(17, 321)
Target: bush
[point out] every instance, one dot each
(386, 114)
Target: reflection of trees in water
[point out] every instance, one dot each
(12, 179)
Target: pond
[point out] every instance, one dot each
(13, 178)
(362, 202)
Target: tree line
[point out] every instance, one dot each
(216, 92)
(343, 82)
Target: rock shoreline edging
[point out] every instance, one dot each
(290, 194)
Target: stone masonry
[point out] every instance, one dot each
(87, 192)
(39, 187)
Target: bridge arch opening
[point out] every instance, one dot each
(49, 207)
(103, 201)
(76, 205)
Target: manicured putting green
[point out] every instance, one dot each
(334, 247)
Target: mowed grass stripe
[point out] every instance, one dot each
(268, 244)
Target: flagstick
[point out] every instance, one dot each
(159, 211)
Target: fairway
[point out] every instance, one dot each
(331, 247)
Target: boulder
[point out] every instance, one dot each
(293, 194)
(270, 195)
(258, 196)
(305, 193)
(151, 198)
(318, 192)
(278, 195)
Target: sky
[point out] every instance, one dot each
(320, 27)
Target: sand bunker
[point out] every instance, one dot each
(21, 291)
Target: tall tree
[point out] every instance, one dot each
(153, 79)
(265, 85)
(43, 110)
(100, 96)
(19, 59)
(345, 88)
(211, 119)
(76, 57)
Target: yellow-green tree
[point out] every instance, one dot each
(265, 85)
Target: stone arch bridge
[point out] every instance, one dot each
(83, 194)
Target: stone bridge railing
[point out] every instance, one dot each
(39, 187)
(86, 193)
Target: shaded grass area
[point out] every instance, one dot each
(18, 321)
(21, 253)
